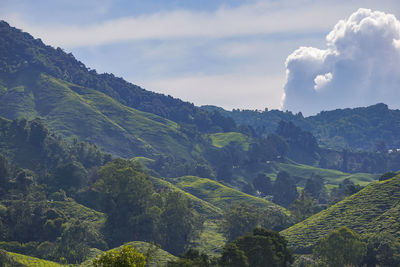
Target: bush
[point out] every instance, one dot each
(127, 256)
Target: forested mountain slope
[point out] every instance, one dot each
(374, 209)
(20, 52)
(89, 115)
(354, 128)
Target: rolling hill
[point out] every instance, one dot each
(374, 209)
(78, 112)
(220, 195)
(354, 128)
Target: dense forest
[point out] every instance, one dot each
(95, 170)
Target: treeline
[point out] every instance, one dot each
(353, 129)
(261, 247)
(20, 52)
(41, 179)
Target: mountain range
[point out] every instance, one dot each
(74, 143)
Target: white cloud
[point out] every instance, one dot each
(359, 67)
(235, 90)
(321, 80)
(262, 17)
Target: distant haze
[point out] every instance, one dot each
(359, 67)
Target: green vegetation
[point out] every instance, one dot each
(331, 177)
(261, 248)
(358, 128)
(92, 116)
(219, 195)
(211, 240)
(126, 256)
(64, 200)
(341, 247)
(223, 139)
(241, 218)
(374, 209)
(34, 262)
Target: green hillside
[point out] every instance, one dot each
(355, 128)
(223, 139)
(34, 262)
(331, 177)
(217, 194)
(201, 206)
(372, 210)
(20, 52)
(158, 257)
(91, 116)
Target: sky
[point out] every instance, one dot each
(234, 54)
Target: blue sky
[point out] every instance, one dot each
(226, 53)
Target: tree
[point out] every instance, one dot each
(179, 223)
(126, 195)
(70, 176)
(4, 171)
(341, 247)
(316, 188)
(303, 207)
(240, 219)
(346, 188)
(285, 191)
(232, 256)
(193, 258)
(263, 184)
(383, 250)
(127, 256)
(262, 248)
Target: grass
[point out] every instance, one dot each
(372, 210)
(77, 211)
(158, 257)
(217, 194)
(92, 116)
(211, 241)
(34, 262)
(201, 206)
(331, 177)
(223, 139)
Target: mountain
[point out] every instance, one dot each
(374, 209)
(20, 52)
(356, 128)
(89, 115)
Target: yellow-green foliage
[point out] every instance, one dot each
(223, 139)
(75, 111)
(373, 209)
(77, 211)
(155, 256)
(331, 177)
(34, 262)
(211, 240)
(125, 256)
(217, 194)
(201, 206)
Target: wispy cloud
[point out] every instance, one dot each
(251, 19)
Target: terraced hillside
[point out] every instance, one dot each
(223, 139)
(158, 257)
(331, 177)
(373, 209)
(218, 194)
(89, 115)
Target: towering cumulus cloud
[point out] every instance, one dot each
(359, 67)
